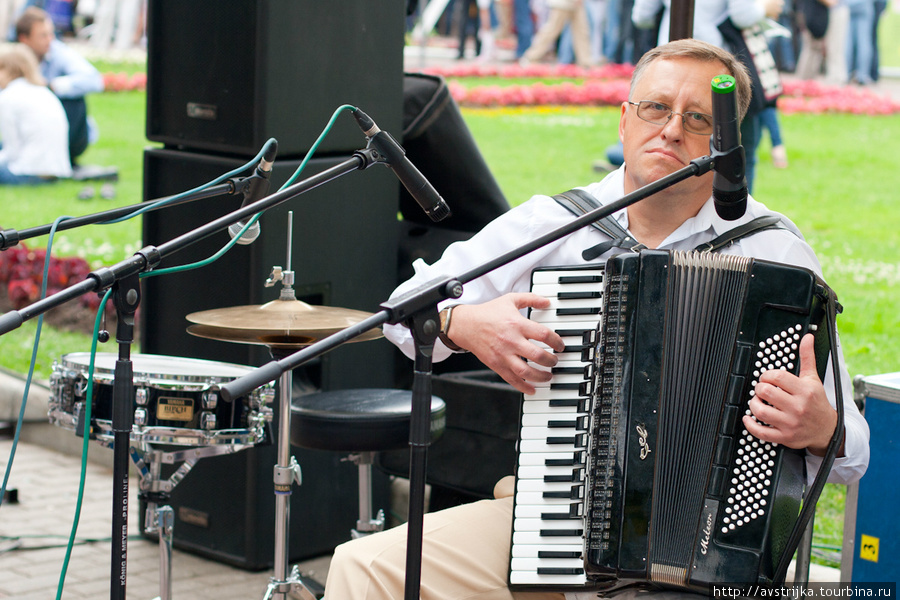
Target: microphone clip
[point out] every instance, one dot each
(729, 163)
(246, 186)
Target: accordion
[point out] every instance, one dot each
(633, 464)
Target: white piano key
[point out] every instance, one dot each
(552, 276)
(542, 405)
(536, 498)
(536, 511)
(531, 485)
(543, 433)
(541, 471)
(550, 318)
(542, 447)
(532, 578)
(527, 524)
(533, 537)
(533, 564)
(544, 419)
(535, 459)
(562, 378)
(545, 393)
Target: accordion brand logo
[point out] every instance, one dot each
(642, 440)
(707, 532)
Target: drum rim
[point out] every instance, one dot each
(102, 367)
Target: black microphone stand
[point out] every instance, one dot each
(417, 309)
(123, 279)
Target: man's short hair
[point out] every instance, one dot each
(701, 51)
(29, 17)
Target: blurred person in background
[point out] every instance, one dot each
(562, 13)
(860, 42)
(33, 125)
(69, 75)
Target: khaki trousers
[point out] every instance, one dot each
(465, 556)
(545, 39)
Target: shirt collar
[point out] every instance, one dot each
(706, 221)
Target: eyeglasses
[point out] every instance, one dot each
(660, 114)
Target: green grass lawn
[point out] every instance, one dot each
(840, 189)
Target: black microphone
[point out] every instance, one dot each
(729, 181)
(254, 189)
(411, 178)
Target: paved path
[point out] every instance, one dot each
(47, 482)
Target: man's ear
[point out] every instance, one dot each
(622, 121)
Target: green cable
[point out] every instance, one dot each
(290, 181)
(84, 444)
(34, 351)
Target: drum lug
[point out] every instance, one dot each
(207, 421)
(141, 396)
(210, 399)
(140, 417)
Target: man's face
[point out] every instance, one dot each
(39, 39)
(653, 151)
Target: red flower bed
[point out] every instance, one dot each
(22, 272)
(122, 82)
(608, 86)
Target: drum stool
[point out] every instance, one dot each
(362, 422)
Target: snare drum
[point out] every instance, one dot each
(176, 400)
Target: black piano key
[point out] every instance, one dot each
(580, 279)
(573, 477)
(571, 349)
(562, 494)
(585, 310)
(567, 371)
(565, 402)
(573, 332)
(563, 516)
(583, 295)
(558, 554)
(567, 424)
(574, 512)
(561, 532)
(575, 459)
(554, 440)
(565, 386)
(573, 493)
(559, 571)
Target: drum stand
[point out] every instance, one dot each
(160, 518)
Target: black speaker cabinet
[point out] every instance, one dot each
(344, 254)
(226, 76)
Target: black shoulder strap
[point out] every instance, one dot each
(580, 202)
(742, 231)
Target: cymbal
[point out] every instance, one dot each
(280, 323)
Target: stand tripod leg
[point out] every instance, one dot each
(165, 522)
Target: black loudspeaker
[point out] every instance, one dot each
(344, 254)
(438, 141)
(226, 76)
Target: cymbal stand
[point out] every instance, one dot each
(287, 471)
